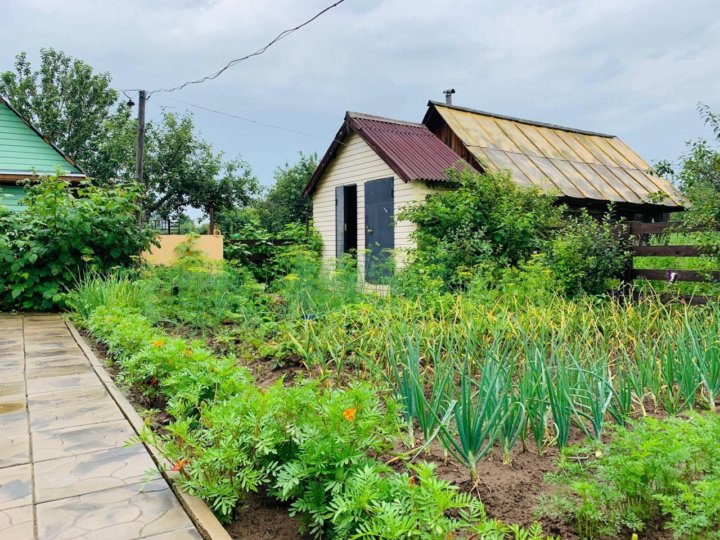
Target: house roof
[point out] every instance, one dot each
(24, 151)
(411, 150)
(574, 163)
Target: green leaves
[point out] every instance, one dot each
(64, 99)
(64, 232)
(667, 466)
(488, 218)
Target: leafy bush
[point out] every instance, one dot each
(666, 467)
(270, 255)
(587, 254)
(489, 218)
(64, 233)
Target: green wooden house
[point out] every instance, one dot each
(24, 153)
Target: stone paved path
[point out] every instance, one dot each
(64, 470)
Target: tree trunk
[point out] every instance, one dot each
(211, 221)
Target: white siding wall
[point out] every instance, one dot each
(357, 163)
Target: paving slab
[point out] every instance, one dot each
(17, 523)
(66, 468)
(135, 511)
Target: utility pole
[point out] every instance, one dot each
(141, 137)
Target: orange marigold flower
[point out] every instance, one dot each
(188, 352)
(158, 343)
(179, 464)
(411, 481)
(349, 414)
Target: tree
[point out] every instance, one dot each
(65, 100)
(72, 106)
(181, 169)
(698, 174)
(284, 202)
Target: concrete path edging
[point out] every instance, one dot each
(203, 518)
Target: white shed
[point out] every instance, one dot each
(374, 167)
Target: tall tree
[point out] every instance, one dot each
(698, 174)
(64, 99)
(73, 106)
(181, 169)
(284, 202)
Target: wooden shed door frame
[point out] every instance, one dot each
(379, 228)
(346, 220)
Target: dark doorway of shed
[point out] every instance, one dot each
(345, 220)
(379, 230)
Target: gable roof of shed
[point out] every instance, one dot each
(410, 149)
(25, 151)
(576, 163)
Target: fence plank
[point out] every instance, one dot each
(682, 275)
(638, 228)
(666, 251)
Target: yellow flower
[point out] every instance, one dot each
(158, 343)
(187, 352)
(349, 414)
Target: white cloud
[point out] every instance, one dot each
(634, 68)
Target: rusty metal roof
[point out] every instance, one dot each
(410, 149)
(572, 162)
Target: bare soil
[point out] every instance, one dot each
(263, 518)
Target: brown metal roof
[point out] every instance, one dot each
(410, 149)
(572, 162)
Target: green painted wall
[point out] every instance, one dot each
(10, 197)
(24, 151)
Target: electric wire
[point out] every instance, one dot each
(261, 50)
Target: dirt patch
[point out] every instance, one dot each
(264, 518)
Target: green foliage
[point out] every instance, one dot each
(489, 218)
(375, 502)
(284, 204)
(308, 443)
(94, 290)
(65, 100)
(477, 373)
(698, 176)
(659, 466)
(272, 254)
(64, 233)
(181, 169)
(587, 254)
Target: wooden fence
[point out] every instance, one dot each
(640, 234)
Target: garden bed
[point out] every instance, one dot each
(324, 381)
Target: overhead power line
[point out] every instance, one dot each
(231, 63)
(238, 117)
(245, 119)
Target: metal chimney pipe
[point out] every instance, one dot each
(448, 96)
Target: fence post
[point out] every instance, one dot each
(628, 275)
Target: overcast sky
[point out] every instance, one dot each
(633, 68)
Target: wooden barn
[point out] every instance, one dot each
(24, 153)
(375, 166)
(584, 168)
